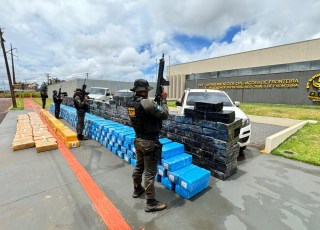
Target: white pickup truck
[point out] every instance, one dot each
(217, 96)
(99, 93)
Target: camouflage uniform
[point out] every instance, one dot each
(146, 118)
(44, 97)
(57, 102)
(81, 107)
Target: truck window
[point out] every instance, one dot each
(98, 91)
(209, 97)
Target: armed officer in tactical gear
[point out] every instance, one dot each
(44, 96)
(80, 103)
(57, 102)
(146, 118)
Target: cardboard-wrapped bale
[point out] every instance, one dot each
(23, 144)
(45, 145)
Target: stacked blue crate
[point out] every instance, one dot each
(178, 173)
(175, 170)
(193, 182)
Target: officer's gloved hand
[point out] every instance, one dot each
(164, 95)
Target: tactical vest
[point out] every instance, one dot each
(142, 123)
(75, 103)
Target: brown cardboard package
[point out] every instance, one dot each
(43, 146)
(43, 137)
(22, 145)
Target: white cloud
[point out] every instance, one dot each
(122, 39)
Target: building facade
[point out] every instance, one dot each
(287, 74)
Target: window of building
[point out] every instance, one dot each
(223, 74)
(261, 70)
(213, 74)
(315, 65)
(279, 68)
(232, 73)
(300, 66)
(190, 77)
(243, 72)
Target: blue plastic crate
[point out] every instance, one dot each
(174, 176)
(124, 130)
(165, 141)
(120, 154)
(120, 142)
(114, 150)
(177, 162)
(123, 135)
(126, 145)
(133, 149)
(157, 177)
(111, 143)
(114, 128)
(191, 180)
(123, 149)
(127, 158)
(130, 138)
(130, 154)
(188, 194)
(168, 184)
(113, 138)
(162, 171)
(133, 162)
(172, 149)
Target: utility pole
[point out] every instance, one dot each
(48, 77)
(13, 73)
(14, 103)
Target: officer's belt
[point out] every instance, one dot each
(147, 137)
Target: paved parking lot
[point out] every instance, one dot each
(260, 132)
(5, 104)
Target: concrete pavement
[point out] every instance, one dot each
(39, 191)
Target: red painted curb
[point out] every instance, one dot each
(107, 211)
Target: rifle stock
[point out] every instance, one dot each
(160, 81)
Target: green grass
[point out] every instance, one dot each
(20, 104)
(300, 112)
(171, 103)
(305, 142)
(39, 101)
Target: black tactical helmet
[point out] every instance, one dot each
(55, 91)
(78, 90)
(141, 85)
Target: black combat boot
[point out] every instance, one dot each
(137, 191)
(154, 205)
(81, 137)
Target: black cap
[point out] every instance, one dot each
(141, 85)
(78, 90)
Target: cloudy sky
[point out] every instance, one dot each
(124, 39)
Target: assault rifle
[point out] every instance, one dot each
(83, 89)
(161, 81)
(59, 94)
(85, 94)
